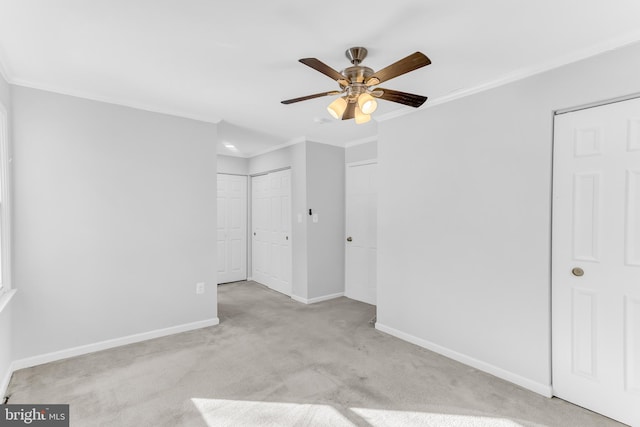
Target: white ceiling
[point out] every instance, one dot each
(234, 61)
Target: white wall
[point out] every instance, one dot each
(278, 159)
(115, 221)
(465, 213)
(361, 152)
(317, 176)
(326, 197)
(5, 314)
(233, 165)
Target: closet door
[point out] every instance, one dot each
(271, 230)
(232, 228)
(596, 259)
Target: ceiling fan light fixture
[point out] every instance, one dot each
(337, 107)
(367, 103)
(361, 117)
(360, 97)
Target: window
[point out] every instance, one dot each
(5, 200)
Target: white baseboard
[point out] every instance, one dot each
(543, 389)
(104, 345)
(317, 299)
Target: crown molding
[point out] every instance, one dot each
(299, 140)
(109, 100)
(571, 58)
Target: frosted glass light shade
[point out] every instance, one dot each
(360, 117)
(367, 103)
(337, 107)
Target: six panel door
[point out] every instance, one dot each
(596, 259)
(232, 228)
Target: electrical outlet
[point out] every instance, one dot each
(200, 288)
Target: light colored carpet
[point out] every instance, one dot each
(275, 362)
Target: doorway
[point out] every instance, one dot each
(596, 259)
(361, 226)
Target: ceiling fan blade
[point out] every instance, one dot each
(403, 66)
(315, 95)
(318, 65)
(402, 97)
(350, 112)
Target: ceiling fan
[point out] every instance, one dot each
(357, 83)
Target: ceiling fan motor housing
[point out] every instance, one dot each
(356, 75)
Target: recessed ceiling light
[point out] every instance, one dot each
(229, 146)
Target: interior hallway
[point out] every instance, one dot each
(273, 361)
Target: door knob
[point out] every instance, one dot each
(577, 271)
(349, 239)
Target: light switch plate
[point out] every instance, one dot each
(315, 217)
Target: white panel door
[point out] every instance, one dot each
(271, 230)
(232, 228)
(596, 259)
(361, 227)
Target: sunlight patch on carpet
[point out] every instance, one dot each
(222, 412)
(384, 418)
